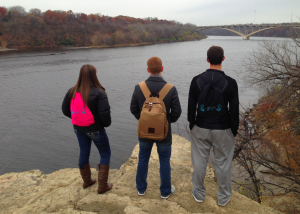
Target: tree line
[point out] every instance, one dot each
(19, 28)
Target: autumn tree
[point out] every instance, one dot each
(118, 37)
(3, 13)
(267, 160)
(97, 38)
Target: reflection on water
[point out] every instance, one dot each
(34, 133)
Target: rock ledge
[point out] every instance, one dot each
(61, 191)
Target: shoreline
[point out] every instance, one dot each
(9, 49)
(91, 46)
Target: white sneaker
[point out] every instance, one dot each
(198, 200)
(223, 205)
(171, 193)
(141, 193)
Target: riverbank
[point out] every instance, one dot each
(93, 46)
(139, 44)
(8, 49)
(62, 192)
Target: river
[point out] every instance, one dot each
(34, 134)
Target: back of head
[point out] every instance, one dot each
(87, 76)
(154, 65)
(215, 55)
(86, 80)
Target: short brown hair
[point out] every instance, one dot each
(215, 55)
(154, 64)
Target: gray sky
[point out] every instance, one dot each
(199, 12)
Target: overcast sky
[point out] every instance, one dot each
(199, 12)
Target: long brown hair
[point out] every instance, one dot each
(86, 80)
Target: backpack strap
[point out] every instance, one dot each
(219, 79)
(203, 79)
(145, 89)
(165, 90)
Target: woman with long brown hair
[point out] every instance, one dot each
(87, 105)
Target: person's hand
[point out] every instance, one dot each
(191, 126)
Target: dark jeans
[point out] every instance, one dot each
(164, 152)
(101, 141)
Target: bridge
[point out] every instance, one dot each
(247, 30)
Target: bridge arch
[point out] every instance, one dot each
(250, 34)
(234, 31)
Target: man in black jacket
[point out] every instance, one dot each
(155, 83)
(214, 121)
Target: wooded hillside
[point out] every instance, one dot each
(19, 28)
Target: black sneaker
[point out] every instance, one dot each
(171, 193)
(141, 193)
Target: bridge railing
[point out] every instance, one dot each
(251, 24)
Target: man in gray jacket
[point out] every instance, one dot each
(155, 83)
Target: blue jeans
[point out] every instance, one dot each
(164, 152)
(101, 141)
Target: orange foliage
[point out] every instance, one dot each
(279, 137)
(266, 107)
(83, 17)
(102, 19)
(50, 15)
(3, 13)
(286, 145)
(92, 17)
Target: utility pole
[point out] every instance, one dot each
(254, 14)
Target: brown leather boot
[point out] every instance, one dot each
(86, 176)
(103, 186)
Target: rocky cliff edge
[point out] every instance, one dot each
(61, 191)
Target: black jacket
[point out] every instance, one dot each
(99, 107)
(155, 83)
(230, 96)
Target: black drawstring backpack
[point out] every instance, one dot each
(211, 101)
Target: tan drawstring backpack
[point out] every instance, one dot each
(153, 123)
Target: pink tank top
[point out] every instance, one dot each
(80, 113)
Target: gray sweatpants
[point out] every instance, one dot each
(223, 144)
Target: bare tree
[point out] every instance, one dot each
(17, 13)
(275, 64)
(268, 143)
(268, 160)
(36, 12)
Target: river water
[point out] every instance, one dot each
(34, 134)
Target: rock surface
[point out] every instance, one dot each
(61, 192)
